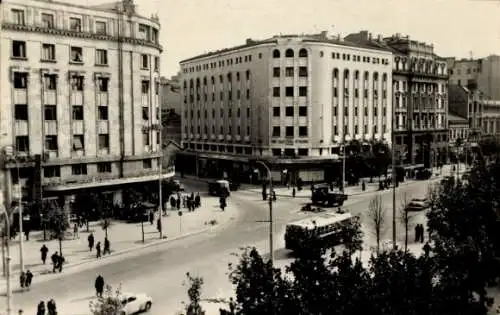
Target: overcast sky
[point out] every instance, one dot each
(191, 27)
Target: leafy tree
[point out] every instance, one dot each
(109, 304)
(195, 285)
(57, 220)
(376, 214)
(352, 235)
(383, 157)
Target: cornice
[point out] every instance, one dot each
(70, 33)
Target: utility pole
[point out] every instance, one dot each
(7, 258)
(394, 179)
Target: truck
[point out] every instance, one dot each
(322, 195)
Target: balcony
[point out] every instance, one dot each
(145, 99)
(191, 136)
(51, 154)
(77, 153)
(100, 180)
(184, 135)
(205, 137)
(20, 96)
(198, 136)
(220, 137)
(237, 138)
(102, 127)
(147, 148)
(102, 99)
(246, 138)
(228, 137)
(212, 137)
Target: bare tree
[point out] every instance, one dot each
(405, 218)
(376, 213)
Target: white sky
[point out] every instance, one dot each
(191, 27)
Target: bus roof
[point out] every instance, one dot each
(320, 220)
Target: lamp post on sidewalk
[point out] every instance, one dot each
(160, 181)
(19, 205)
(7, 258)
(271, 248)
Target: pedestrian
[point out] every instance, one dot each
(188, 204)
(98, 250)
(178, 203)
(55, 259)
(40, 308)
(43, 251)
(22, 279)
(417, 230)
(427, 249)
(60, 262)
(75, 232)
(232, 306)
(91, 241)
(21, 312)
(99, 285)
(422, 233)
(27, 231)
(29, 278)
(274, 195)
(107, 248)
(158, 224)
(173, 202)
(198, 200)
(151, 217)
(51, 307)
(293, 192)
(184, 201)
(363, 186)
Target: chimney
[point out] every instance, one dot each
(379, 38)
(249, 41)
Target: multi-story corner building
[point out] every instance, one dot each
(80, 97)
(290, 100)
(468, 104)
(420, 80)
(482, 74)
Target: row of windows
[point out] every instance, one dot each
(20, 81)
(289, 91)
(221, 130)
(290, 111)
(197, 83)
(365, 111)
(229, 113)
(77, 112)
(81, 169)
(218, 148)
(51, 143)
(145, 32)
(356, 93)
(220, 63)
(290, 131)
(366, 129)
(289, 72)
(48, 54)
(221, 96)
(468, 71)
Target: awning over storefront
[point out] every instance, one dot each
(108, 182)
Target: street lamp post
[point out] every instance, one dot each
(160, 186)
(271, 248)
(20, 210)
(9, 289)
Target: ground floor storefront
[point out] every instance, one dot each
(429, 148)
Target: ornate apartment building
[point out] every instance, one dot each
(80, 97)
(291, 100)
(420, 86)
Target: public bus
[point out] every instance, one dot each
(325, 227)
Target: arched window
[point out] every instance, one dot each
(191, 83)
(221, 79)
(212, 79)
(229, 76)
(205, 81)
(346, 74)
(248, 75)
(375, 76)
(238, 76)
(289, 53)
(367, 75)
(335, 73)
(197, 82)
(276, 53)
(303, 53)
(185, 84)
(356, 75)
(384, 77)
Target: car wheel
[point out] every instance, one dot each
(147, 307)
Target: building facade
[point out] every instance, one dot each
(458, 128)
(420, 97)
(291, 100)
(491, 119)
(80, 97)
(469, 104)
(482, 74)
(171, 109)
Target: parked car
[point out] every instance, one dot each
(135, 303)
(322, 195)
(418, 204)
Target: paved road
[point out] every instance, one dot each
(160, 270)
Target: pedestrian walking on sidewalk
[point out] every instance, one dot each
(98, 250)
(107, 247)
(22, 279)
(417, 231)
(60, 262)
(55, 259)
(75, 232)
(99, 286)
(40, 308)
(43, 251)
(151, 217)
(178, 203)
(90, 239)
(29, 278)
(197, 200)
(51, 307)
(293, 192)
(422, 233)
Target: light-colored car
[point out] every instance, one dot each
(135, 303)
(418, 204)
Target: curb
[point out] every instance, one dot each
(70, 266)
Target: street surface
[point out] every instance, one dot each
(161, 270)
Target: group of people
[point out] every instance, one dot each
(107, 246)
(57, 262)
(419, 233)
(25, 279)
(190, 202)
(51, 308)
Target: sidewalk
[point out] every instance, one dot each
(123, 237)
